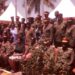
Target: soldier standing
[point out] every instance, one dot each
(47, 26)
(56, 16)
(70, 33)
(18, 23)
(22, 30)
(46, 20)
(37, 25)
(46, 15)
(59, 30)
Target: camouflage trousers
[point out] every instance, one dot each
(63, 71)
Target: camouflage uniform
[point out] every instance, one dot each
(64, 61)
(34, 66)
(37, 25)
(7, 50)
(30, 37)
(70, 33)
(49, 61)
(48, 29)
(46, 21)
(36, 62)
(57, 61)
(59, 32)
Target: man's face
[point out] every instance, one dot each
(60, 19)
(12, 19)
(56, 14)
(46, 15)
(38, 17)
(23, 20)
(17, 19)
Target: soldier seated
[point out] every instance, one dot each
(67, 57)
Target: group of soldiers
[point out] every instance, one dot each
(52, 46)
(51, 43)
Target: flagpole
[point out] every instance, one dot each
(26, 14)
(42, 8)
(15, 9)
